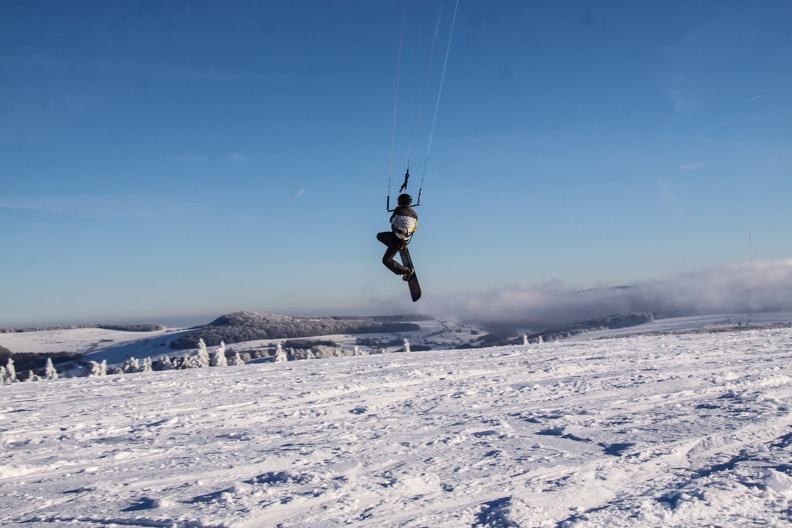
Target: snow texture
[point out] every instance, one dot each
(646, 430)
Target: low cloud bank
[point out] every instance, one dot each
(755, 287)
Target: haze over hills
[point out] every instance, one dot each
(751, 287)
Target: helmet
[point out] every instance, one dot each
(405, 199)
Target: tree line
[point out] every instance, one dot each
(201, 357)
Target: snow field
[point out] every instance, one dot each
(85, 340)
(690, 430)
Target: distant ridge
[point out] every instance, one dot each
(611, 322)
(118, 327)
(251, 326)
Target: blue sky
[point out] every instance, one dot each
(169, 159)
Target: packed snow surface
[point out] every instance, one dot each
(647, 430)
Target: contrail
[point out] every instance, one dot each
(756, 118)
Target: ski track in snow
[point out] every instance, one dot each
(669, 430)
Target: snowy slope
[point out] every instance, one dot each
(670, 430)
(88, 340)
(698, 322)
(116, 346)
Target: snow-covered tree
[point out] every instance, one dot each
(324, 351)
(11, 370)
(147, 366)
(540, 341)
(180, 362)
(525, 339)
(219, 356)
(4, 379)
(202, 359)
(49, 371)
(406, 345)
(280, 354)
(98, 369)
(164, 363)
(131, 365)
(236, 360)
(302, 353)
(185, 362)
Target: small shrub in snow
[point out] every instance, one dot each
(98, 369)
(323, 351)
(164, 363)
(185, 362)
(130, 366)
(147, 366)
(236, 360)
(301, 353)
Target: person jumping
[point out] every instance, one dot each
(403, 222)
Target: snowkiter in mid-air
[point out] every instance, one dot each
(403, 222)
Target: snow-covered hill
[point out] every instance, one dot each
(647, 430)
(113, 346)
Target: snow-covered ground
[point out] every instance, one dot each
(647, 430)
(699, 322)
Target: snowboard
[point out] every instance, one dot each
(415, 288)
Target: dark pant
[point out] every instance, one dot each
(394, 244)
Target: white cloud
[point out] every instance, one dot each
(301, 192)
(750, 287)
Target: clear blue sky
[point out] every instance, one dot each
(174, 158)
